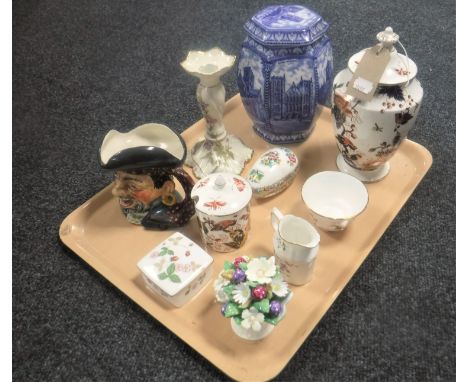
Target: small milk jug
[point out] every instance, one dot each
(296, 244)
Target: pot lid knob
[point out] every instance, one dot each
(388, 38)
(219, 182)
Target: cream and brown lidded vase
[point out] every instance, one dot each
(368, 133)
(222, 203)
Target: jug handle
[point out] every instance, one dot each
(276, 216)
(185, 181)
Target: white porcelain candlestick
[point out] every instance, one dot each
(219, 151)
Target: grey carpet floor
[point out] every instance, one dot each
(83, 67)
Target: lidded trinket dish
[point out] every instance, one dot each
(146, 160)
(222, 203)
(273, 171)
(285, 69)
(253, 294)
(368, 133)
(177, 269)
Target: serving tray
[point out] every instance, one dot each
(99, 234)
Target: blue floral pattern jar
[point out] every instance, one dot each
(285, 69)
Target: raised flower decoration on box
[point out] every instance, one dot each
(253, 295)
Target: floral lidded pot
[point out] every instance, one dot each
(285, 69)
(368, 133)
(222, 203)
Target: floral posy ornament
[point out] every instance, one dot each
(176, 269)
(253, 295)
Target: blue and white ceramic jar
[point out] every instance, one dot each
(285, 69)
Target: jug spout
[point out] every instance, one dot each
(294, 230)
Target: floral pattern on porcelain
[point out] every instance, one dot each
(240, 184)
(219, 151)
(225, 233)
(369, 133)
(273, 172)
(287, 269)
(215, 204)
(295, 260)
(275, 188)
(292, 158)
(329, 224)
(270, 158)
(402, 71)
(280, 245)
(223, 210)
(285, 69)
(255, 176)
(202, 184)
(176, 269)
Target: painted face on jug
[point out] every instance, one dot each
(138, 191)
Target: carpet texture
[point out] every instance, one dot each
(83, 67)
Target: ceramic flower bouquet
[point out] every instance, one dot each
(253, 294)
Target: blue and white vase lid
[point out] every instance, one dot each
(282, 25)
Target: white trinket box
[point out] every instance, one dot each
(177, 269)
(273, 171)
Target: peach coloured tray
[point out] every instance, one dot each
(99, 234)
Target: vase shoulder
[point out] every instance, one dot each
(272, 53)
(386, 98)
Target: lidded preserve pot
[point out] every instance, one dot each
(285, 68)
(368, 133)
(222, 204)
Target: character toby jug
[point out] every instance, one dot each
(146, 160)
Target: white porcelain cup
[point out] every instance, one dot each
(296, 244)
(334, 199)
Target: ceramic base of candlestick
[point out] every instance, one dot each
(364, 176)
(227, 155)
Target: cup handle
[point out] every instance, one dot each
(276, 216)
